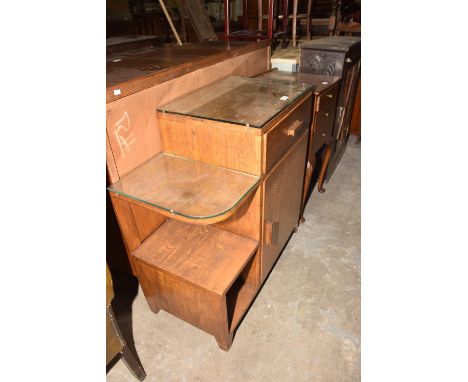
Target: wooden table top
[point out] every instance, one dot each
(135, 70)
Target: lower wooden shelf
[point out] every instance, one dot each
(202, 274)
(205, 256)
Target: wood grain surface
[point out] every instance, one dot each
(206, 256)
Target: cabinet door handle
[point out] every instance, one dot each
(271, 232)
(325, 114)
(330, 95)
(323, 134)
(348, 60)
(295, 126)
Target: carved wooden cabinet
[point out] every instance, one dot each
(205, 219)
(336, 56)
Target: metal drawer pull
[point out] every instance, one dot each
(330, 95)
(348, 60)
(325, 114)
(323, 134)
(292, 130)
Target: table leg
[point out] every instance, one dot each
(309, 18)
(285, 24)
(323, 170)
(308, 178)
(294, 22)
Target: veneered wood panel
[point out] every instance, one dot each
(205, 256)
(132, 126)
(211, 142)
(185, 301)
(130, 235)
(146, 220)
(246, 220)
(282, 202)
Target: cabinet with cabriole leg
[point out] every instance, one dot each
(206, 219)
(325, 91)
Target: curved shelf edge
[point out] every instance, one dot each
(200, 220)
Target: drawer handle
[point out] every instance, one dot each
(271, 232)
(323, 134)
(325, 114)
(292, 130)
(330, 95)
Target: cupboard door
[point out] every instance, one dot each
(282, 202)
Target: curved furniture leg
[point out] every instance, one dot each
(307, 179)
(133, 364)
(323, 170)
(129, 358)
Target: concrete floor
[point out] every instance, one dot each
(305, 323)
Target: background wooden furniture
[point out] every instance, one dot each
(321, 129)
(199, 20)
(294, 16)
(206, 267)
(336, 56)
(259, 33)
(115, 343)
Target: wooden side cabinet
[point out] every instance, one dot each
(205, 219)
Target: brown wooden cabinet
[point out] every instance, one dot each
(206, 218)
(322, 111)
(336, 56)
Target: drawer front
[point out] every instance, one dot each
(281, 137)
(327, 97)
(323, 127)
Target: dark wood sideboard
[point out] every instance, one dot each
(336, 56)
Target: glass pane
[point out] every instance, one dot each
(184, 187)
(238, 100)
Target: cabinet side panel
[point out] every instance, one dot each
(146, 220)
(246, 220)
(181, 299)
(128, 228)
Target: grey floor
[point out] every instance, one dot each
(305, 323)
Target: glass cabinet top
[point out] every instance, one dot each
(238, 100)
(192, 189)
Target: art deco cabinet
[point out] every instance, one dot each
(336, 56)
(325, 90)
(205, 219)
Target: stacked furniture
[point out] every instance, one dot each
(215, 208)
(338, 56)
